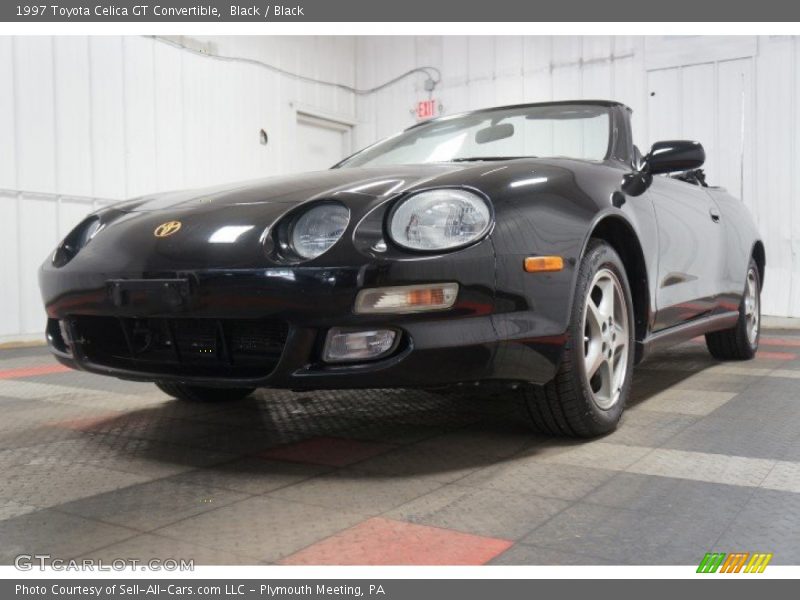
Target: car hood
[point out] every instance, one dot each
(362, 184)
(226, 225)
(293, 189)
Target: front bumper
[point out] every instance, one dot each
(455, 346)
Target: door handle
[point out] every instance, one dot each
(714, 213)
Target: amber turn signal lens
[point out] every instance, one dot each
(543, 264)
(406, 298)
(427, 297)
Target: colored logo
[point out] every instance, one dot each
(167, 229)
(735, 562)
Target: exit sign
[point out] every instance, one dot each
(426, 109)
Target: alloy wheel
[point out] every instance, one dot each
(606, 338)
(751, 307)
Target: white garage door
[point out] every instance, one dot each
(710, 103)
(320, 143)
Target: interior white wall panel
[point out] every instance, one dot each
(169, 117)
(776, 160)
(9, 265)
(8, 154)
(38, 227)
(72, 134)
(34, 114)
(107, 97)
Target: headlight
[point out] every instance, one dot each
(76, 240)
(440, 220)
(319, 228)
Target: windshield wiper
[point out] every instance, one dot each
(479, 158)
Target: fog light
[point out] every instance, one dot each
(344, 345)
(406, 298)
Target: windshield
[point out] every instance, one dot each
(569, 130)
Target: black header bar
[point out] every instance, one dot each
(176, 11)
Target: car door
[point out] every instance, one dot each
(691, 251)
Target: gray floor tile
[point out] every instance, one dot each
(478, 511)
(686, 401)
(151, 505)
(12, 508)
(792, 451)
(446, 465)
(45, 486)
(771, 398)
(770, 522)
(96, 383)
(28, 436)
(658, 495)
(147, 547)
(392, 433)
(263, 527)
(719, 433)
(625, 536)
(358, 491)
(701, 466)
(524, 554)
(250, 475)
(785, 476)
(39, 351)
(482, 442)
(55, 533)
(631, 433)
(524, 477)
(143, 457)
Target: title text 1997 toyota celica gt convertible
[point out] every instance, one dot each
(528, 246)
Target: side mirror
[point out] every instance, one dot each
(673, 156)
(664, 157)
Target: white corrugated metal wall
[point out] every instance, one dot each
(738, 95)
(84, 121)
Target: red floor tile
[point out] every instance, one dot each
(32, 371)
(329, 451)
(768, 341)
(86, 424)
(381, 541)
(776, 355)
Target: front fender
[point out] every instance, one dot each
(561, 222)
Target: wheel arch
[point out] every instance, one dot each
(617, 231)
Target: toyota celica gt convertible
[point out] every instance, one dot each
(527, 246)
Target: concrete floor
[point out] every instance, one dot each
(707, 458)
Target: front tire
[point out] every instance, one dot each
(195, 393)
(740, 342)
(588, 394)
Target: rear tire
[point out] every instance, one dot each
(740, 342)
(588, 393)
(195, 393)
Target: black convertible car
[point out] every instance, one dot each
(526, 246)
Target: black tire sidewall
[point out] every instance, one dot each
(743, 318)
(600, 255)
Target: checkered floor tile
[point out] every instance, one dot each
(707, 458)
